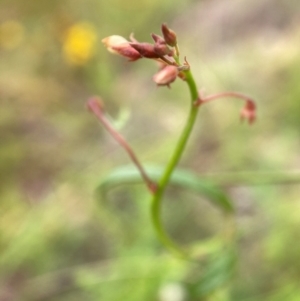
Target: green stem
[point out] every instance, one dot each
(163, 182)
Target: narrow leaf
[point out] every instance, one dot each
(182, 178)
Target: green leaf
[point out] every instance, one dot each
(182, 178)
(218, 271)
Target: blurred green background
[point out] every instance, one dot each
(58, 242)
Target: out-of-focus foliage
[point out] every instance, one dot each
(56, 242)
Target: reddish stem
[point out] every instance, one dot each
(225, 94)
(95, 106)
(165, 60)
(249, 110)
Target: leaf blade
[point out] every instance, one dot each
(128, 174)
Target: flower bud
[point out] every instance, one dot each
(145, 50)
(169, 35)
(158, 39)
(163, 49)
(119, 45)
(166, 75)
(249, 112)
(95, 104)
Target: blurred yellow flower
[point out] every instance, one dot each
(11, 34)
(79, 43)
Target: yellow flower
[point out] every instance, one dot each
(79, 44)
(11, 34)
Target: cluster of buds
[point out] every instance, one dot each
(164, 50)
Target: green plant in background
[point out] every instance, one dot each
(165, 52)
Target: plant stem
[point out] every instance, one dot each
(163, 182)
(95, 106)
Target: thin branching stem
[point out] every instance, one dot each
(96, 108)
(224, 94)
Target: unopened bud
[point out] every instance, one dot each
(163, 49)
(158, 39)
(160, 46)
(95, 104)
(249, 112)
(166, 76)
(119, 45)
(145, 50)
(169, 35)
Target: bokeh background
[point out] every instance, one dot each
(58, 242)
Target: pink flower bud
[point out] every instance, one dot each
(145, 50)
(119, 45)
(158, 39)
(169, 35)
(249, 112)
(163, 49)
(95, 104)
(166, 76)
